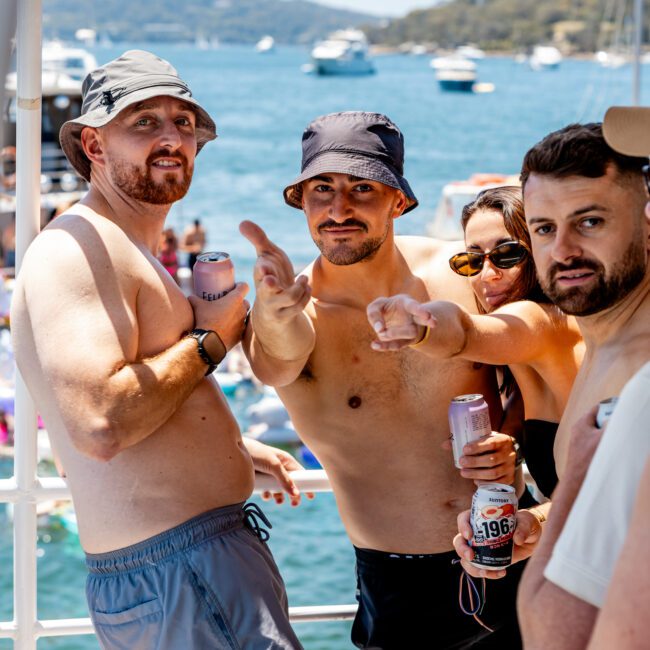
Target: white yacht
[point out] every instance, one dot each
(63, 71)
(72, 62)
(457, 194)
(611, 59)
(455, 72)
(545, 57)
(265, 45)
(343, 52)
(470, 51)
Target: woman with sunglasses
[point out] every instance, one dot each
(517, 327)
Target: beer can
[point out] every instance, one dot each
(605, 410)
(214, 275)
(469, 420)
(493, 519)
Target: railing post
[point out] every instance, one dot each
(28, 216)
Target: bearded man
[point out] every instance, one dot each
(119, 364)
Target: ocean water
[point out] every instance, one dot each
(261, 105)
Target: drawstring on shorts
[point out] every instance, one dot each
(251, 514)
(476, 599)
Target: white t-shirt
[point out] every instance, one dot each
(586, 552)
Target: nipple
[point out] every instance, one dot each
(354, 402)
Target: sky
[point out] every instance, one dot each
(380, 7)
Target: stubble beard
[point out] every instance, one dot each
(605, 292)
(343, 254)
(137, 182)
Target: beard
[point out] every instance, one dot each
(606, 291)
(137, 182)
(342, 253)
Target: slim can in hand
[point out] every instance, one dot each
(493, 519)
(214, 275)
(469, 420)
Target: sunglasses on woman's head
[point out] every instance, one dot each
(503, 256)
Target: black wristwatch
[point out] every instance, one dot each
(205, 339)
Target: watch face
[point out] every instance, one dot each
(213, 346)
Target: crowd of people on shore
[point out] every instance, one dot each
(544, 310)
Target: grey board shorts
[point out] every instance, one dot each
(208, 583)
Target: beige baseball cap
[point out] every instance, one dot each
(627, 129)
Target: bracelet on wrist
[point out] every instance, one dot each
(538, 514)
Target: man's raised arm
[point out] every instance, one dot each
(280, 336)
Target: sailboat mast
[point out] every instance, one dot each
(638, 35)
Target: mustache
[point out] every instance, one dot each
(346, 224)
(163, 153)
(578, 263)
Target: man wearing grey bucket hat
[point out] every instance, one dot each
(119, 363)
(377, 422)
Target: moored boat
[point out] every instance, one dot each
(344, 52)
(455, 195)
(454, 73)
(545, 57)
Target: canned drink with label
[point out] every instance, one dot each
(214, 275)
(493, 519)
(605, 410)
(469, 420)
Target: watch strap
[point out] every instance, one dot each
(200, 335)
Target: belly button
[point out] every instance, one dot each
(354, 402)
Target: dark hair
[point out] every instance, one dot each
(577, 150)
(509, 203)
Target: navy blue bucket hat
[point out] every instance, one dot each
(133, 77)
(367, 145)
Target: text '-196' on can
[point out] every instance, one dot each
(469, 420)
(493, 519)
(214, 275)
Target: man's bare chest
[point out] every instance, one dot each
(163, 313)
(344, 370)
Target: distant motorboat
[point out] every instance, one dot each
(64, 68)
(610, 59)
(446, 223)
(203, 43)
(470, 52)
(344, 52)
(265, 45)
(454, 73)
(545, 57)
(72, 62)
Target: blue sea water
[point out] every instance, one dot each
(261, 105)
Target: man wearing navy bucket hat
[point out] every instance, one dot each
(119, 364)
(378, 422)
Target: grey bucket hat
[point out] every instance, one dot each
(133, 77)
(367, 145)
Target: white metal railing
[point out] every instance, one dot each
(44, 489)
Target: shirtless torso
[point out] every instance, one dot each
(89, 297)
(377, 422)
(608, 366)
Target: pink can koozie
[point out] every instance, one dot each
(214, 275)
